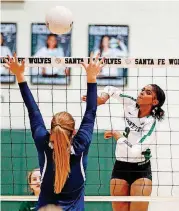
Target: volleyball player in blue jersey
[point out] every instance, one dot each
(62, 157)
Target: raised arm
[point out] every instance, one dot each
(38, 129)
(36, 121)
(84, 135)
(111, 91)
(83, 138)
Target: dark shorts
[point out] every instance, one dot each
(131, 171)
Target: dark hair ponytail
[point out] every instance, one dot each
(157, 112)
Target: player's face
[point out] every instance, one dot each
(35, 181)
(147, 96)
(52, 42)
(105, 42)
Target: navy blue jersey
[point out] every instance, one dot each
(71, 197)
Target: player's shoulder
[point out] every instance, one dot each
(127, 96)
(150, 120)
(131, 108)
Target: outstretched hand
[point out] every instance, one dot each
(93, 68)
(15, 67)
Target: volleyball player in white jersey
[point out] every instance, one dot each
(132, 174)
(132, 170)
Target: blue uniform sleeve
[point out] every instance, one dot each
(82, 139)
(38, 129)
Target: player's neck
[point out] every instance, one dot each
(144, 110)
(37, 193)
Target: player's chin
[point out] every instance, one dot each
(37, 188)
(139, 101)
(144, 103)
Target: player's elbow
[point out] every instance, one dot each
(90, 116)
(107, 88)
(40, 137)
(91, 108)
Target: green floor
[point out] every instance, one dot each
(19, 156)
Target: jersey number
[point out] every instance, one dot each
(126, 133)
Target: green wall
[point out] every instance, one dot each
(18, 156)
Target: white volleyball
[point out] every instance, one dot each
(59, 20)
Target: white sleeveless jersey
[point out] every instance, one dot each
(138, 135)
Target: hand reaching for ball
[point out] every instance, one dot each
(93, 68)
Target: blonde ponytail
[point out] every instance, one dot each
(61, 133)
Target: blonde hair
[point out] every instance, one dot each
(30, 175)
(50, 207)
(62, 127)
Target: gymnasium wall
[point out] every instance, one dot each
(153, 32)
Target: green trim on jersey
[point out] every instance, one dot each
(122, 95)
(148, 134)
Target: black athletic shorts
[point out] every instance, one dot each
(131, 171)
